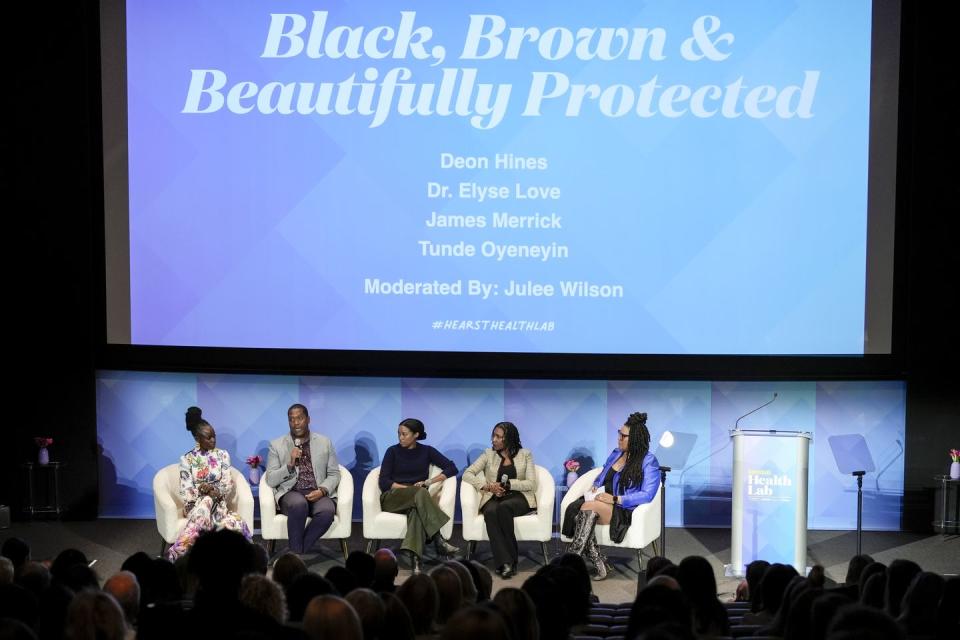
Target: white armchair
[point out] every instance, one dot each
(644, 525)
(380, 525)
(169, 506)
(534, 526)
(273, 525)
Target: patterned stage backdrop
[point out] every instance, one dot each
(140, 430)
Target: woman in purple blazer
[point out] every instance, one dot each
(630, 477)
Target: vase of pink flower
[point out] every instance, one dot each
(253, 475)
(572, 466)
(43, 457)
(955, 465)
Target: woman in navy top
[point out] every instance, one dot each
(404, 478)
(630, 477)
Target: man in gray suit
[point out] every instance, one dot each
(303, 470)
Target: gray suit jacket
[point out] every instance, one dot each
(326, 468)
(484, 471)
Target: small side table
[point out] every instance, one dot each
(949, 522)
(43, 489)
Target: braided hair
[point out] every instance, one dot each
(511, 437)
(638, 444)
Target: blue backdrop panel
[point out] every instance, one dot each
(140, 429)
(876, 412)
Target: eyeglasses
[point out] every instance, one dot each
(621, 434)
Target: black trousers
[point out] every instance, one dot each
(498, 514)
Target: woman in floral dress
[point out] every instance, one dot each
(205, 483)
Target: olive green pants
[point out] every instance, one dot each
(424, 516)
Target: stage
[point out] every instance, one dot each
(110, 541)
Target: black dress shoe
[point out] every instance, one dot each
(508, 571)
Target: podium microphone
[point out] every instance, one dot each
(736, 425)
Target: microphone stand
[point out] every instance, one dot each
(859, 477)
(663, 510)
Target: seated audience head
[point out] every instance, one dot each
(817, 577)
(94, 615)
(385, 570)
(341, 579)
(219, 560)
(801, 610)
(699, 586)
(579, 566)
(482, 579)
(948, 610)
(855, 567)
(824, 610)
(918, 610)
(772, 585)
(363, 567)
(54, 603)
(331, 617)
(19, 603)
(11, 629)
(872, 592)
(287, 567)
(466, 581)
(755, 571)
(125, 589)
(141, 566)
(371, 610)
(303, 589)
(658, 605)
(518, 612)
(900, 574)
(79, 577)
(263, 595)
(795, 588)
(261, 559)
(560, 601)
(665, 581)
(857, 622)
(419, 595)
(6, 570)
(449, 592)
(65, 560)
(478, 622)
(656, 564)
(396, 618)
(17, 550)
(34, 577)
(167, 580)
(869, 570)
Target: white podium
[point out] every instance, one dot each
(769, 498)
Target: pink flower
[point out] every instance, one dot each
(571, 465)
(254, 461)
(43, 441)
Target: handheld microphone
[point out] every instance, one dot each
(297, 443)
(736, 425)
(505, 482)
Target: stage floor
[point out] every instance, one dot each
(112, 541)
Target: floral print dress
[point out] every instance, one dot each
(204, 512)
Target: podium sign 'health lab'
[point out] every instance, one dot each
(769, 498)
